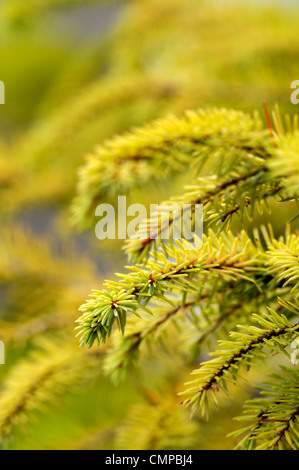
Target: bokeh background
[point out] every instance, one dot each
(77, 73)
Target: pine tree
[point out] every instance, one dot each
(188, 336)
(175, 283)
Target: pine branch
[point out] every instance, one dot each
(42, 290)
(126, 349)
(285, 164)
(17, 12)
(159, 426)
(274, 419)
(215, 321)
(68, 133)
(281, 259)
